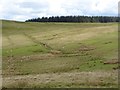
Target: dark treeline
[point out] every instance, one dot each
(102, 19)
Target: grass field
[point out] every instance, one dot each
(60, 54)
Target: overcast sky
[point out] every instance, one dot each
(21, 10)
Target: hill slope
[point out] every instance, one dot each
(58, 50)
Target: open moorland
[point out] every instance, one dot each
(57, 55)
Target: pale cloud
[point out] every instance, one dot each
(25, 9)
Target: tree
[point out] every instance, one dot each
(102, 19)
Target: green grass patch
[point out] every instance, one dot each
(26, 50)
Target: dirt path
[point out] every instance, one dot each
(91, 78)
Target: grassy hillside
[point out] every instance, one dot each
(60, 54)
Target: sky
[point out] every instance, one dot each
(21, 10)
